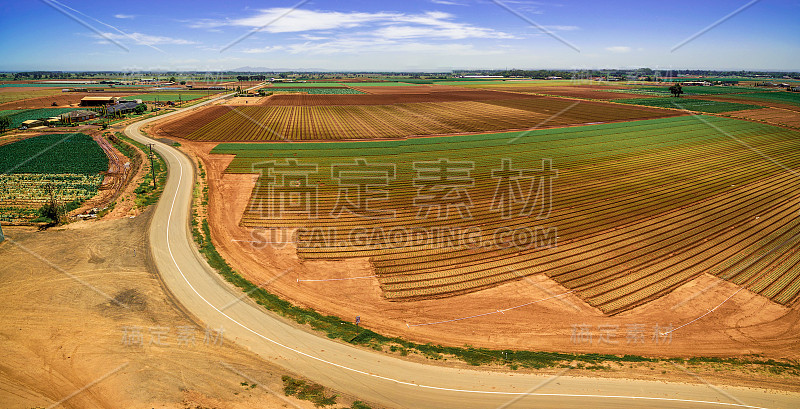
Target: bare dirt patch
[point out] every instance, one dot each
(59, 336)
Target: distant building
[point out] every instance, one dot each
(696, 83)
(33, 123)
(97, 101)
(77, 116)
(122, 108)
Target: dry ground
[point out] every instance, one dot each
(744, 324)
(63, 340)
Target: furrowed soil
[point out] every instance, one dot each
(496, 111)
(546, 316)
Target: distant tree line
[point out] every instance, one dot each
(251, 78)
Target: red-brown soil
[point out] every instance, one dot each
(744, 324)
(65, 99)
(386, 98)
(281, 122)
(774, 116)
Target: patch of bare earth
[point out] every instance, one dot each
(86, 323)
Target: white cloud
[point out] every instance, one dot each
(143, 39)
(448, 3)
(361, 45)
(432, 24)
(619, 49)
(266, 49)
(562, 28)
(124, 16)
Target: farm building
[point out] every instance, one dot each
(97, 101)
(33, 123)
(78, 116)
(122, 108)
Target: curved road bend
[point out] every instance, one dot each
(373, 376)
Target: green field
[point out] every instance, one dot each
(690, 104)
(68, 164)
(385, 84)
(305, 85)
(157, 96)
(21, 115)
(6, 97)
(777, 96)
(690, 90)
(627, 194)
(328, 91)
(54, 153)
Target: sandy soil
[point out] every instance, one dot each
(245, 101)
(66, 339)
(744, 324)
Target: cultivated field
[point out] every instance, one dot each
(68, 164)
(699, 105)
(275, 123)
(162, 97)
(639, 208)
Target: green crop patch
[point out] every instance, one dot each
(688, 104)
(689, 90)
(17, 117)
(388, 84)
(54, 153)
(306, 85)
(65, 167)
(792, 98)
(317, 91)
(163, 97)
(634, 174)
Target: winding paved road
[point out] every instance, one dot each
(373, 376)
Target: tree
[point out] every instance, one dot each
(676, 90)
(183, 82)
(5, 123)
(172, 79)
(140, 109)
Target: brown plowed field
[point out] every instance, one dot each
(778, 116)
(411, 89)
(385, 99)
(251, 123)
(61, 99)
(578, 92)
(186, 124)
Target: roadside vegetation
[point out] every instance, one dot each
(146, 193)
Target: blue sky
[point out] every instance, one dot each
(408, 35)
